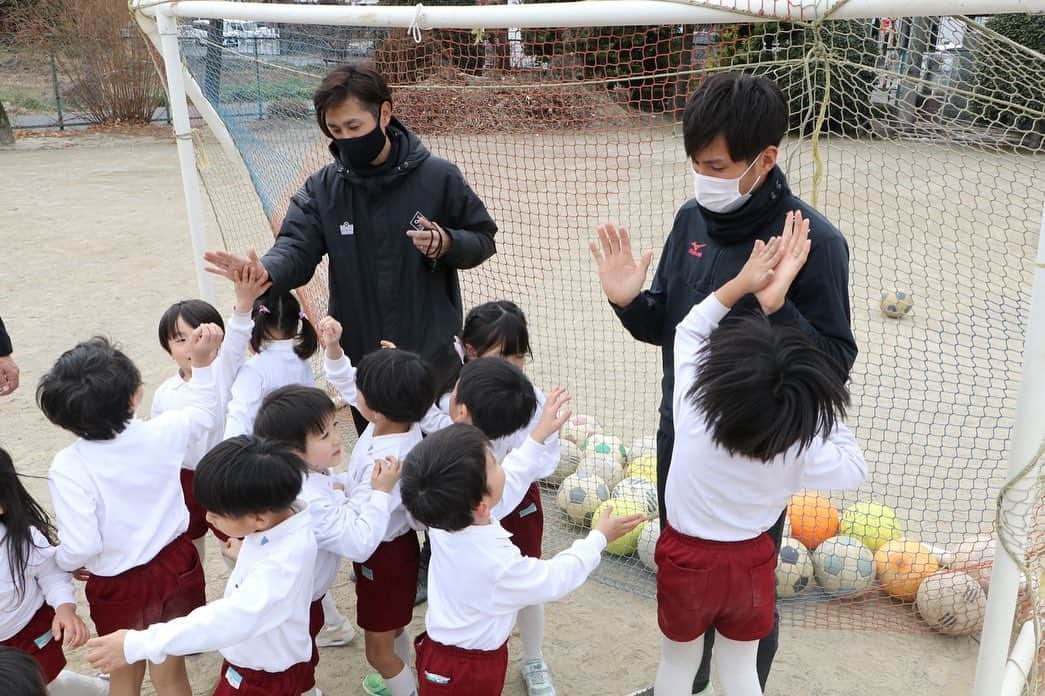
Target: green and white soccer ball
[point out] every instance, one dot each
(601, 443)
(580, 494)
(638, 490)
(579, 428)
(794, 568)
(605, 466)
(842, 565)
(645, 446)
(647, 546)
(569, 458)
(896, 304)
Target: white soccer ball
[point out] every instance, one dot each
(579, 428)
(842, 565)
(648, 538)
(569, 458)
(896, 303)
(952, 602)
(604, 466)
(645, 446)
(794, 568)
(580, 494)
(610, 445)
(974, 555)
(637, 490)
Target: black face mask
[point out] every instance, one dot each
(359, 152)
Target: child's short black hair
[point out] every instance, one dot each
(499, 324)
(281, 312)
(397, 384)
(290, 414)
(499, 397)
(764, 387)
(192, 312)
(21, 673)
(89, 389)
(750, 112)
(444, 477)
(247, 475)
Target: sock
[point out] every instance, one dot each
(331, 616)
(402, 684)
(531, 631)
(678, 665)
(404, 648)
(201, 547)
(72, 684)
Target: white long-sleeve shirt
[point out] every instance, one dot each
(522, 466)
(261, 623)
(478, 581)
(714, 495)
(44, 581)
(173, 393)
(341, 531)
(277, 365)
(119, 502)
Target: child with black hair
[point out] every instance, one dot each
(479, 580)
(499, 329)
(393, 389)
(37, 604)
(304, 419)
(117, 498)
(758, 417)
(20, 673)
(176, 325)
(283, 340)
(250, 488)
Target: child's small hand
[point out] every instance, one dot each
(250, 284)
(204, 343)
(337, 486)
(614, 528)
(553, 417)
(387, 345)
(68, 625)
(81, 574)
(230, 549)
(793, 252)
(329, 330)
(386, 473)
(105, 653)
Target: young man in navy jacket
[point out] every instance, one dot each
(732, 128)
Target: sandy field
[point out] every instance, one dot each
(93, 240)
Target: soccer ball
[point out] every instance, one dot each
(974, 555)
(643, 467)
(952, 602)
(579, 428)
(902, 565)
(637, 490)
(569, 458)
(896, 303)
(842, 565)
(871, 523)
(627, 544)
(647, 545)
(600, 443)
(604, 466)
(794, 568)
(580, 494)
(645, 446)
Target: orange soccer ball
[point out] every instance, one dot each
(813, 519)
(902, 565)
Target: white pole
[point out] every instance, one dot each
(183, 137)
(1020, 663)
(573, 14)
(1027, 433)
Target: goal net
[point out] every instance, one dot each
(920, 138)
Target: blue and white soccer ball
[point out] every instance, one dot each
(580, 494)
(896, 303)
(842, 565)
(794, 568)
(605, 466)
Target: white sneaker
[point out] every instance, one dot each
(538, 678)
(336, 636)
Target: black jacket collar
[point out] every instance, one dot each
(761, 210)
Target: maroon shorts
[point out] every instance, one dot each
(168, 587)
(315, 625)
(37, 640)
(240, 681)
(386, 584)
(444, 669)
(197, 515)
(728, 585)
(526, 523)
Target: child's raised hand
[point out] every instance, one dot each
(329, 331)
(251, 283)
(386, 473)
(105, 653)
(68, 625)
(554, 415)
(387, 345)
(614, 528)
(204, 343)
(794, 250)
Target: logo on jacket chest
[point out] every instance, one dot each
(696, 249)
(347, 228)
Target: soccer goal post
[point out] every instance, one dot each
(921, 137)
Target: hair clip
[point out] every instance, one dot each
(262, 309)
(459, 347)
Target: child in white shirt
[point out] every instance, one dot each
(250, 489)
(283, 340)
(176, 324)
(303, 418)
(758, 414)
(37, 604)
(116, 492)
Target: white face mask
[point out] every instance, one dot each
(722, 195)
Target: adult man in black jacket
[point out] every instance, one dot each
(8, 368)
(395, 222)
(732, 127)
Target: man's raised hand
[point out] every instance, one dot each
(620, 274)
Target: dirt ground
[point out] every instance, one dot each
(93, 240)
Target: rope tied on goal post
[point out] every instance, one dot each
(415, 26)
